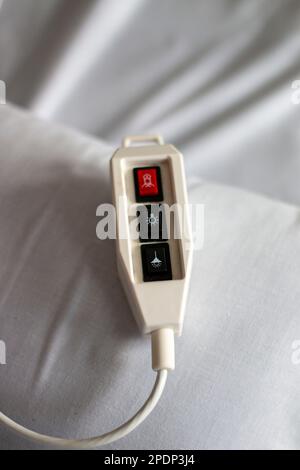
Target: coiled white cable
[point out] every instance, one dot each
(107, 438)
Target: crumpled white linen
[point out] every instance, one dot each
(213, 76)
(76, 364)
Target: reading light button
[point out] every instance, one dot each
(147, 182)
(156, 262)
(152, 223)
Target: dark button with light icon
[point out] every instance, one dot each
(152, 223)
(156, 262)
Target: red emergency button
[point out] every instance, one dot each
(148, 184)
(147, 181)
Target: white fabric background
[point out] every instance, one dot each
(215, 78)
(76, 362)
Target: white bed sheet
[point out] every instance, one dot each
(76, 364)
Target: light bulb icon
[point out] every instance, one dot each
(156, 262)
(152, 219)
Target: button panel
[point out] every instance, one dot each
(152, 223)
(156, 262)
(148, 187)
(155, 257)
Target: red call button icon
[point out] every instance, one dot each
(147, 181)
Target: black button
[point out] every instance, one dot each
(152, 223)
(156, 262)
(147, 182)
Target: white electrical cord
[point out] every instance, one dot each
(163, 359)
(107, 438)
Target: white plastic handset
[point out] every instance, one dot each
(143, 175)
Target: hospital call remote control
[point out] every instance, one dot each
(148, 179)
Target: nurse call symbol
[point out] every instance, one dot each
(147, 182)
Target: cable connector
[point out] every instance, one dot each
(163, 349)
